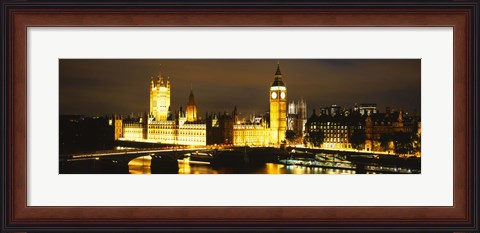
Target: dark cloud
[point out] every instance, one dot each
(107, 86)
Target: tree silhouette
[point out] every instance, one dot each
(357, 138)
(403, 142)
(384, 141)
(315, 138)
(290, 136)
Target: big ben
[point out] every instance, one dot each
(278, 109)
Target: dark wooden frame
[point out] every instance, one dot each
(463, 16)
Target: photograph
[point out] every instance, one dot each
(240, 116)
(246, 116)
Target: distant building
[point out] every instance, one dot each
(367, 109)
(297, 118)
(380, 124)
(331, 110)
(338, 126)
(389, 123)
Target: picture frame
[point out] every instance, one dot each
(18, 16)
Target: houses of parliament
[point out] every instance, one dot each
(337, 125)
(184, 127)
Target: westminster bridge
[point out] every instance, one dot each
(238, 160)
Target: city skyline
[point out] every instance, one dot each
(108, 86)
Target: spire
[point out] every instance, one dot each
(191, 110)
(278, 72)
(278, 77)
(191, 99)
(160, 78)
(235, 111)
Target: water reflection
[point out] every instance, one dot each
(141, 165)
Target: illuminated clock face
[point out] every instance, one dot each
(282, 95)
(274, 95)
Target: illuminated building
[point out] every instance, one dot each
(278, 109)
(251, 133)
(191, 108)
(380, 124)
(185, 128)
(260, 132)
(159, 98)
(133, 131)
(163, 132)
(338, 126)
(132, 128)
(226, 129)
(159, 126)
(118, 129)
(384, 126)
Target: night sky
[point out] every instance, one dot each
(97, 87)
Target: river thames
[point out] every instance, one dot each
(141, 165)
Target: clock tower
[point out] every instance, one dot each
(278, 109)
